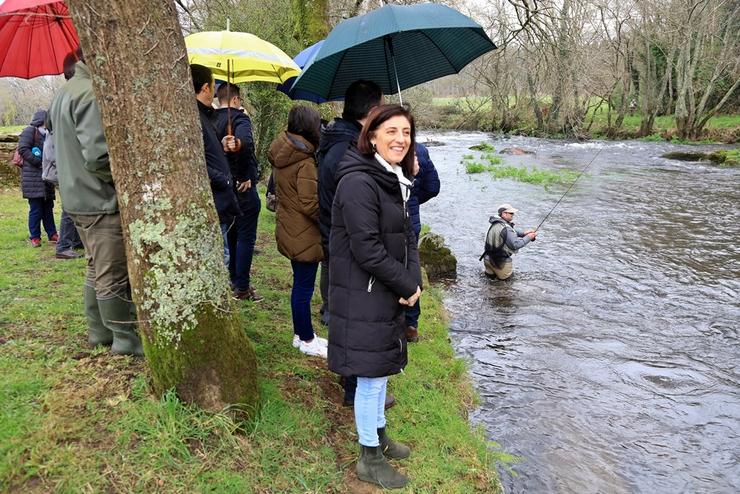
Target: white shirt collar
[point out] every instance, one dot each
(398, 171)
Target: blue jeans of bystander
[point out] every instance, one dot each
(370, 408)
(225, 234)
(41, 210)
(69, 238)
(241, 239)
(304, 279)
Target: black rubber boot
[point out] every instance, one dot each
(391, 449)
(119, 317)
(373, 467)
(97, 333)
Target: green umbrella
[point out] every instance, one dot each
(397, 47)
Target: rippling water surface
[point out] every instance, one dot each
(609, 361)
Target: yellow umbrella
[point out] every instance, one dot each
(250, 58)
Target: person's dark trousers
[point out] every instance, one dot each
(68, 236)
(350, 386)
(242, 237)
(324, 286)
(412, 315)
(304, 279)
(41, 210)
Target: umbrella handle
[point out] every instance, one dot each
(389, 43)
(228, 96)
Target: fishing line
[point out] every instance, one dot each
(571, 186)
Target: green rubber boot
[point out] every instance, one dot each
(391, 449)
(97, 333)
(118, 316)
(373, 467)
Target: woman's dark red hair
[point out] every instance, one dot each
(375, 119)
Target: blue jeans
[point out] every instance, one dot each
(304, 279)
(370, 408)
(41, 210)
(68, 236)
(241, 239)
(224, 233)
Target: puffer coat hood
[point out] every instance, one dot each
(39, 117)
(295, 177)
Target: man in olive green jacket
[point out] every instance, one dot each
(89, 197)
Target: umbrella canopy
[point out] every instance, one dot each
(397, 47)
(13, 5)
(302, 59)
(35, 36)
(251, 58)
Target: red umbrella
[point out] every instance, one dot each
(35, 36)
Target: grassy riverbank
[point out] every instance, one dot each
(78, 420)
(474, 113)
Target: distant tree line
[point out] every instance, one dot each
(559, 60)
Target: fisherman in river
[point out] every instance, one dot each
(502, 241)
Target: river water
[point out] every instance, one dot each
(608, 363)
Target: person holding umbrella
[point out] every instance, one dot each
(217, 166)
(375, 273)
(244, 170)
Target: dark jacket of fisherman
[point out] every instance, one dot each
(503, 240)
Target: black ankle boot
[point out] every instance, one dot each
(392, 449)
(373, 467)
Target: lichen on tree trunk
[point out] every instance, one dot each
(192, 333)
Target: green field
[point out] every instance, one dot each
(11, 129)
(453, 110)
(79, 420)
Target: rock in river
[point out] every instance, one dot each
(436, 258)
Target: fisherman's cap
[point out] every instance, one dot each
(506, 208)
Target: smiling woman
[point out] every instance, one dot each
(392, 139)
(375, 273)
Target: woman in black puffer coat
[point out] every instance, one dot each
(374, 274)
(40, 194)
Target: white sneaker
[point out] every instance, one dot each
(315, 348)
(297, 341)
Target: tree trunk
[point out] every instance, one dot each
(193, 337)
(535, 103)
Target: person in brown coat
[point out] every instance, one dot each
(297, 228)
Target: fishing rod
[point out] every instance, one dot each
(571, 186)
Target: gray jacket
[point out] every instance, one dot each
(503, 239)
(85, 180)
